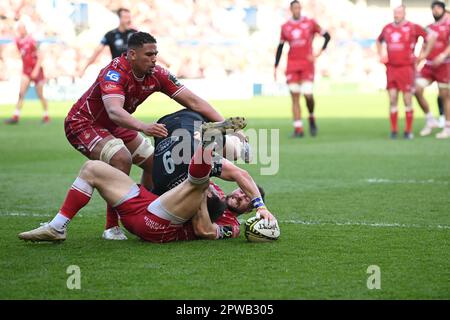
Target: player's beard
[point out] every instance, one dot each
(437, 18)
(231, 206)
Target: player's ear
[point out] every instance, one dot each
(132, 54)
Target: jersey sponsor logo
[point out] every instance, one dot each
(296, 33)
(165, 145)
(395, 37)
(112, 75)
(174, 80)
(118, 43)
(110, 86)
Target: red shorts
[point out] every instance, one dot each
(440, 73)
(40, 77)
(300, 74)
(400, 77)
(149, 227)
(84, 136)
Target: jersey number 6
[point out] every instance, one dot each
(169, 165)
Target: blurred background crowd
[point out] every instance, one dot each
(203, 38)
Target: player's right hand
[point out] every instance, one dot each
(265, 214)
(157, 130)
(384, 59)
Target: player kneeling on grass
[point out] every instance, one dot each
(175, 216)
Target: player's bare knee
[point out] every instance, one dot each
(88, 170)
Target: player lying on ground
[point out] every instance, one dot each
(174, 216)
(170, 169)
(171, 160)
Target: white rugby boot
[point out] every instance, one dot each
(114, 233)
(44, 233)
(429, 126)
(444, 134)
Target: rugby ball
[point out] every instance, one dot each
(258, 230)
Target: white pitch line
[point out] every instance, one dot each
(365, 224)
(302, 222)
(410, 181)
(28, 214)
(24, 214)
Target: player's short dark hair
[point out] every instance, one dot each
(438, 3)
(138, 39)
(120, 10)
(216, 206)
(294, 2)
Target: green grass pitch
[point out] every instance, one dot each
(346, 200)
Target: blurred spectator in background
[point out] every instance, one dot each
(220, 38)
(115, 39)
(32, 71)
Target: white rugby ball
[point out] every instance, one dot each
(258, 230)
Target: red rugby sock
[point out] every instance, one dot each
(78, 196)
(409, 120)
(112, 219)
(394, 119)
(200, 165)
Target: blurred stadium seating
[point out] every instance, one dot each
(202, 39)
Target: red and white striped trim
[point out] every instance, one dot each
(108, 96)
(177, 92)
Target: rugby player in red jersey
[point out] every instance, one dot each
(401, 38)
(440, 103)
(299, 32)
(173, 216)
(31, 72)
(436, 68)
(100, 124)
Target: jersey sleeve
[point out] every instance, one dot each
(169, 84)
(316, 27)
(112, 83)
(420, 31)
(283, 35)
(104, 40)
